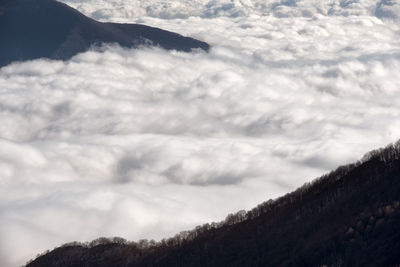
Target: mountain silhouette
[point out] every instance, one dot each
(31, 29)
(349, 217)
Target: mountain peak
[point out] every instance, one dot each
(31, 29)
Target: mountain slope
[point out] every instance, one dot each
(31, 29)
(349, 217)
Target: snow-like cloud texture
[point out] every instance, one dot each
(146, 143)
(172, 9)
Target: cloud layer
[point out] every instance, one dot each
(175, 9)
(146, 143)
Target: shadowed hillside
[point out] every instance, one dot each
(31, 29)
(349, 217)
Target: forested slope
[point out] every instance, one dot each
(349, 217)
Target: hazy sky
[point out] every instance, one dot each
(146, 143)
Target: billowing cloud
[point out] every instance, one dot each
(179, 9)
(175, 9)
(146, 143)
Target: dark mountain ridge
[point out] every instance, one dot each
(349, 217)
(31, 29)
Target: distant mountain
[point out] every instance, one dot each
(31, 29)
(349, 217)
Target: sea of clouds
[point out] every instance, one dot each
(146, 143)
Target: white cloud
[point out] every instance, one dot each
(173, 9)
(145, 143)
